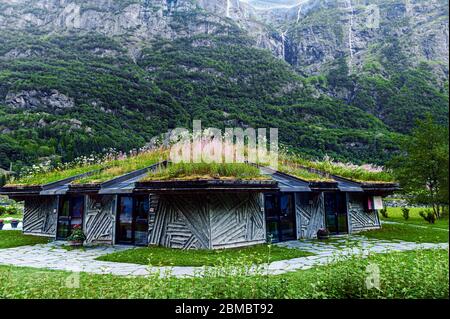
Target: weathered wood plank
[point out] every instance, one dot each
(99, 219)
(359, 217)
(40, 215)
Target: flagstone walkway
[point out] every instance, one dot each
(53, 256)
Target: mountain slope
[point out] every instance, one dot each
(77, 77)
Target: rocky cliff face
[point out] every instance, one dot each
(308, 34)
(137, 20)
(338, 77)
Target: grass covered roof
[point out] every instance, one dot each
(205, 171)
(308, 170)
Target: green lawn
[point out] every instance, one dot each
(15, 238)
(408, 233)
(162, 256)
(395, 215)
(407, 230)
(414, 274)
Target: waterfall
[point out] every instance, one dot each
(228, 8)
(299, 11)
(283, 44)
(350, 31)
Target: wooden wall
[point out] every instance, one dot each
(360, 218)
(99, 218)
(310, 214)
(236, 219)
(40, 215)
(206, 220)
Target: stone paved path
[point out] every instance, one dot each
(53, 256)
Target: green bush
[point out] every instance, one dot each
(11, 210)
(384, 212)
(405, 213)
(428, 215)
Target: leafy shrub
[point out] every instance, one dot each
(77, 234)
(11, 210)
(405, 213)
(384, 212)
(428, 215)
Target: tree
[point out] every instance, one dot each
(422, 167)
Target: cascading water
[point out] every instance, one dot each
(350, 31)
(299, 11)
(283, 44)
(228, 8)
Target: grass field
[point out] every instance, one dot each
(408, 230)
(408, 233)
(395, 215)
(161, 256)
(414, 274)
(15, 238)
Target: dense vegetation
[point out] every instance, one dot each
(423, 166)
(415, 274)
(102, 169)
(193, 171)
(122, 104)
(121, 91)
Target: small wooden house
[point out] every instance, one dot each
(202, 213)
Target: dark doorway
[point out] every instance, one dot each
(336, 213)
(70, 215)
(132, 220)
(280, 216)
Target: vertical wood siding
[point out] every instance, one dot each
(40, 216)
(310, 214)
(99, 219)
(359, 217)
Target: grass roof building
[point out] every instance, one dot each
(145, 200)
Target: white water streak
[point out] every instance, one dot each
(283, 44)
(350, 31)
(228, 8)
(299, 11)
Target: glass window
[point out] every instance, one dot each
(286, 204)
(271, 206)
(126, 210)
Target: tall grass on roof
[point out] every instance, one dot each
(103, 168)
(123, 166)
(298, 171)
(362, 173)
(198, 171)
(44, 173)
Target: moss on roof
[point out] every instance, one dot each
(202, 171)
